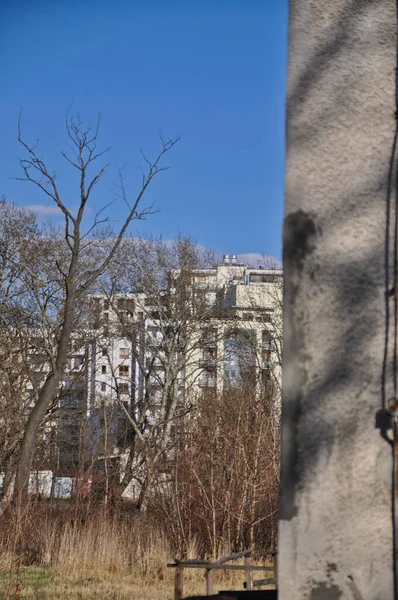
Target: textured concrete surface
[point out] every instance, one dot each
(335, 520)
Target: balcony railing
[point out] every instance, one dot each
(155, 340)
(207, 381)
(207, 362)
(268, 363)
(269, 344)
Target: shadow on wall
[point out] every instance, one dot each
(328, 247)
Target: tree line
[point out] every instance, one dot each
(206, 464)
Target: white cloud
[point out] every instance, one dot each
(44, 210)
(255, 259)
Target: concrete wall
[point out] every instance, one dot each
(335, 520)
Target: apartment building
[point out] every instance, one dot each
(212, 328)
(145, 352)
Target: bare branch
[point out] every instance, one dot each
(133, 214)
(47, 180)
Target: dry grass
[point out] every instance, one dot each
(121, 558)
(50, 584)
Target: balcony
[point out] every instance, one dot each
(209, 339)
(268, 363)
(207, 381)
(268, 344)
(208, 363)
(155, 336)
(153, 362)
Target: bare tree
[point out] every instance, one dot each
(168, 335)
(158, 323)
(70, 260)
(17, 229)
(222, 494)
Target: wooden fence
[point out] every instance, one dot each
(210, 567)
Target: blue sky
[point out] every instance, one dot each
(211, 71)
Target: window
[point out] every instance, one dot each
(125, 304)
(77, 363)
(230, 375)
(154, 333)
(125, 330)
(239, 358)
(200, 279)
(124, 353)
(106, 316)
(265, 278)
(103, 386)
(209, 336)
(104, 369)
(208, 379)
(267, 355)
(124, 370)
(123, 388)
(104, 351)
(267, 340)
(209, 354)
(254, 278)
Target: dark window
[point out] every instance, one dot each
(265, 278)
(125, 304)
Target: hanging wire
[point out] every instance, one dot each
(395, 280)
(394, 169)
(391, 291)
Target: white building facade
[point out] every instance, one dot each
(230, 334)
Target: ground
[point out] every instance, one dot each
(50, 584)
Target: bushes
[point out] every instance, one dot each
(222, 491)
(217, 493)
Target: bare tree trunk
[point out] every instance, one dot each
(146, 484)
(47, 393)
(74, 281)
(28, 446)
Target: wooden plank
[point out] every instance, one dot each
(215, 566)
(261, 582)
(209, 582)
(179, 584)
(249, 574)
(235, 556)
